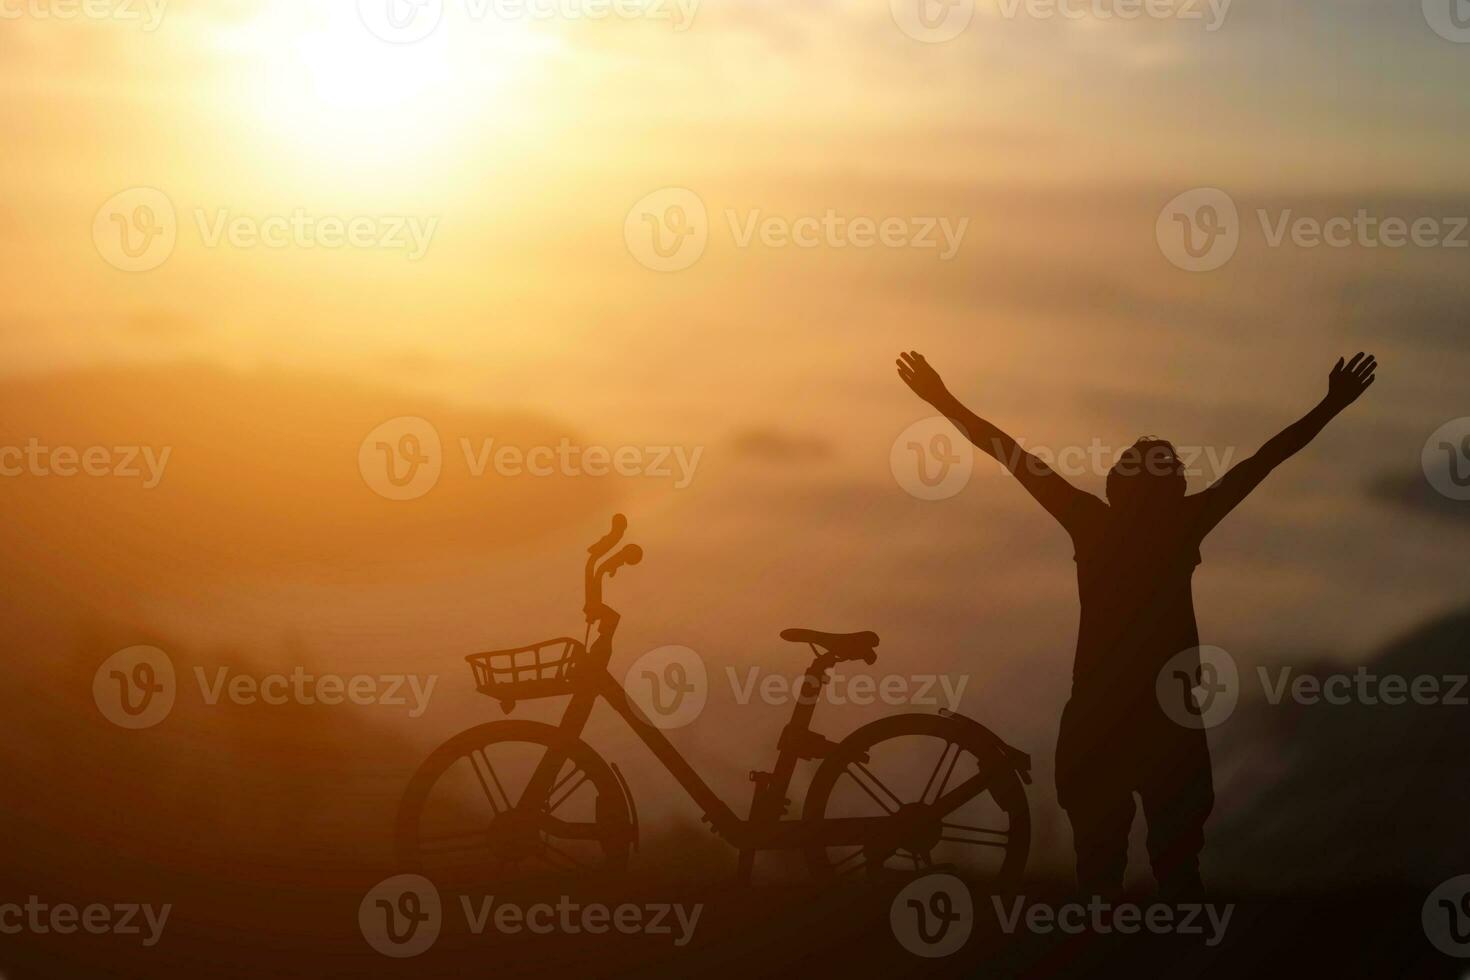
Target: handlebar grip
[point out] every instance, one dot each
(631, 555)
(609, 540)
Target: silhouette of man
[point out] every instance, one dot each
(1135, 557)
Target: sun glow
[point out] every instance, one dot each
(339, 96)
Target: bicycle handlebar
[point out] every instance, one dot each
(609, 540)
(630, 555)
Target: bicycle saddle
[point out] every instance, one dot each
(848, 646)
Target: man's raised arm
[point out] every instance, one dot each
(1344, 385)
(1062, 500)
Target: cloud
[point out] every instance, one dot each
(773, 445)
(1412, 492)
(259, 473)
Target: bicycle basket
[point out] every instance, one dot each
(542, 670)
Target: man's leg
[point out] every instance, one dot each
(1178, 794)
(1094, 787)
(1100, 825)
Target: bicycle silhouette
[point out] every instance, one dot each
(515, 799)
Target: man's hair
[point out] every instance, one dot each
(1147, 470)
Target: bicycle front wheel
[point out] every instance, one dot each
(465, 819)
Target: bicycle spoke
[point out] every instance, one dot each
(477, 758)
(950, 832)
(876, 782)
(837, 866)
(503, 794)
(948, 771)
(571, 863)
(945, 825)
(918, 860)
(1002, 844)
(445, 842)
(557, 801)
(968, 790)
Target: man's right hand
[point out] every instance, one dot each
(923, 379)
(1348, 381)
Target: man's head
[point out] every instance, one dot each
(1148, 472)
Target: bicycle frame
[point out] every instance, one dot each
(765, 828)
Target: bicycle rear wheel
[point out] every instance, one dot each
(902, 765)
(464, 821)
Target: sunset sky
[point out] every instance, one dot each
(519, 146)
